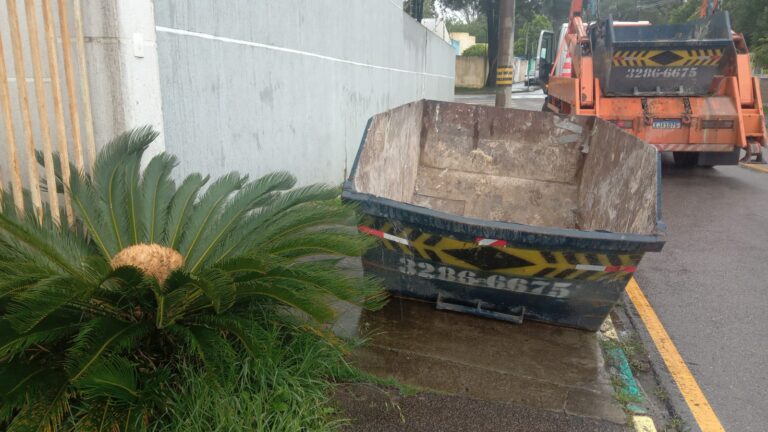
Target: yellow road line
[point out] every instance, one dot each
(703, 413)
(757, 167)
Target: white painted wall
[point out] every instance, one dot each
(123, 67)
(261, 85)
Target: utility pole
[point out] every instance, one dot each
(505, 56)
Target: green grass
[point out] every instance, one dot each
(621, 395)
(634, 350)
(661, 393)
(288, 389)
(675, 424)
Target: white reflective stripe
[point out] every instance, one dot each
(590, 267)
(396, 239)
(162, 29)
(694, 147)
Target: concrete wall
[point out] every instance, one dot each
(465, 40)
(123, 68)
(471, 72)
(260, 85)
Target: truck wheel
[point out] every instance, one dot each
(685, 159)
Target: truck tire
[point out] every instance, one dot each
(685, 159)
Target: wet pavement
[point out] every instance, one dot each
(373, 409)
(532, 366)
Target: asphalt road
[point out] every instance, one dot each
(709, 286)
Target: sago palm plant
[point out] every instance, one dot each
(94, 318)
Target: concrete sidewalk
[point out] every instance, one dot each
(373, 409)
(532, 374)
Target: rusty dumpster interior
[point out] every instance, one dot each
(511, 165)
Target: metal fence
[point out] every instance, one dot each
(46, 37)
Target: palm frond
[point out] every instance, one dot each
(115, 178)
(134, 204)
(57, 247)
(97, 338)
(302, 218)
(218, 288)
(250, 233)
(293, 293)
(254, 194)
(48, 296)
(205, 211)
(207, 344)
(325, 276)
(92, 212)
(13, 343)
(322, 242)
(245, 330)
(113, 378)
(157, 190)
(180, 207)
(45, 412)
(17, 379)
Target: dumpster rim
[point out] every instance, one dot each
(536, 236)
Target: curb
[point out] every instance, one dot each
(755, 167)
(640, 422)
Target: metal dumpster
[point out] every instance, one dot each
(506, 213)
(669, 59)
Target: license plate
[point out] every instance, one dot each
(666, 124)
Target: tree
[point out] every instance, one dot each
(419, 9)
(489, 9)
(95, 319)
(686, 11)
(477, 28)
(750, 17)
(527, 37)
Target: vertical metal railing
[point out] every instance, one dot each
(33, 128)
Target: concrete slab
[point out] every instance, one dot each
(539, 366)
(373, 409)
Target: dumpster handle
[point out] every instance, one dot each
(478, 310)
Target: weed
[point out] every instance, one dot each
(634, 350)
(676, 424)
(621, 394)
(661, 393)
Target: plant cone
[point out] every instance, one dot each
(152, 259)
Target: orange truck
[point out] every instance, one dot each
(683, 88)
